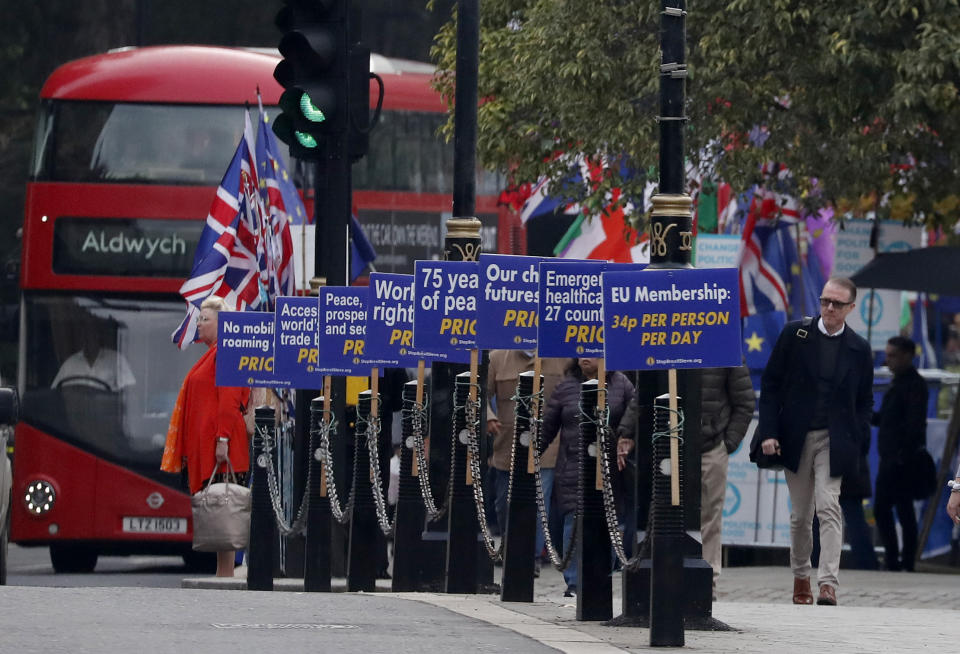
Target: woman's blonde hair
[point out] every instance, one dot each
(214, 302)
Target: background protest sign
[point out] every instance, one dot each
(507, 303)
(296, 346)
(342, 331)
(245, 349)
(445, 301)
(571, 307)
(662, 319)
(390, 311)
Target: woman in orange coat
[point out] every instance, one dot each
(207, 424)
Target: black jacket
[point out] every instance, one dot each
(902, 419)
(562, 416)
(788, 395)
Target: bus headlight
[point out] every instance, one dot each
(40, 497)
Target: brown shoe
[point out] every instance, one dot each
(801, 591)
(828, 595)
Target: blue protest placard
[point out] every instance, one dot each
(296, 348)
(245, 349)
(507, 304)
(661, 319)
(571, 307)
(445, 306)
(343, 326)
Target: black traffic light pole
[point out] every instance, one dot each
(324, 71)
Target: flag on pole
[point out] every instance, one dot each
(606, 237)
(362, 253)
(230, 254)
(761, 286)
(278, 193)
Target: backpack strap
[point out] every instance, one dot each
(803, 330)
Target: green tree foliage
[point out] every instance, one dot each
(858, 100)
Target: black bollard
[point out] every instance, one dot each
(667, 537)
(522, 519)
(263, 526)
(594, 585)
(316, 564)
(362, 552)
(410, 511)
(462, 526)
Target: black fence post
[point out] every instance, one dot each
(410, 510)
(522, 519)
(362, 552)
(594, 563)
(316, 565)
(462, 525)
(666, 575)
(263, 526)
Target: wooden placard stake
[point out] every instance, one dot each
(601, 405)
(326, 418)
(421, 372)
(472, 397)
(674, 440)
(374, 404)
(534, 409)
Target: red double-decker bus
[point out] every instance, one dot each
(130, 147)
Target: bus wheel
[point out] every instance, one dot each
(205, 562)
(73, 558)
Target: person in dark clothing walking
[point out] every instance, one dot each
(562, 417)
(902, 430)
(815, 403)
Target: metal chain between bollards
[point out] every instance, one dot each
(300, 523)
(560, 563)
(418, 417)
(371, 426)
(328, 425)
(471, 421)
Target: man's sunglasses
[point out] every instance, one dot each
(837, 304)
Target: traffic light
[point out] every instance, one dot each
(359, 90)
(314, 72)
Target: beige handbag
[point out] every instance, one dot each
(221, 515)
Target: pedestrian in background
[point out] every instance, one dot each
(562, 416)
(503, 372)
(901, 431)
(816, 399)
(207, 428)
(727, 407)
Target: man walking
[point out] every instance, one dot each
(816, 400)
(902, 430)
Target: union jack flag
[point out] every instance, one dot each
(230, 261)
(280, 199)
(761, 286)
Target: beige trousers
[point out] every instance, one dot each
(713, 490)
(812, 488)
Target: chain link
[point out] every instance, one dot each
(418, 417)
(328, 425)
(471, 422)
(371, 426)
(276, 501)
(560, 563)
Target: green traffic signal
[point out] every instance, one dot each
(304, 139)
(310, 111)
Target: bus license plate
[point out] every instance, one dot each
(153, 525)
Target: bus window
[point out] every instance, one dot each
(104, 373)
(137, 143)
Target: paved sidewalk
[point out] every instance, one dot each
(879, 612)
